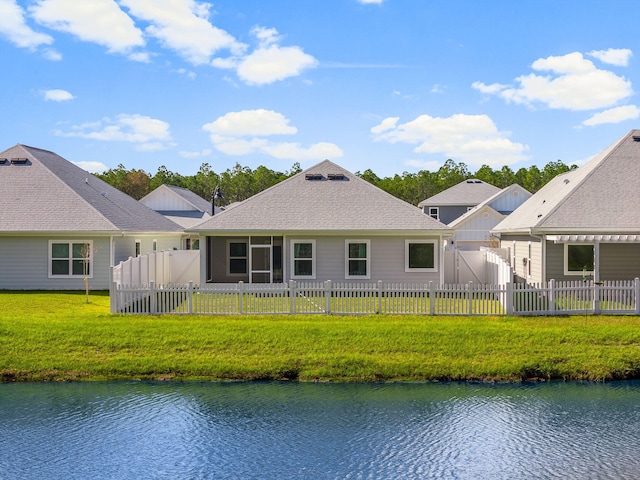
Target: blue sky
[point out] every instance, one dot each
(390, 85)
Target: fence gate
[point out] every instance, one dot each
(464, 266)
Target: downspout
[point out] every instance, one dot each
(543, 253)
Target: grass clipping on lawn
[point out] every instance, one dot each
(47, 336)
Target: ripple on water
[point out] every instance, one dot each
(290, 430)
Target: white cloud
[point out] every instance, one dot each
(574, 84)
(203, 153)
(98, 21)
(183, 26)
(614, 56)
(93, 167)
(613, 115)
(245, 132)
(149, 134)
(371, 2)
(473, 139)
(268, 63)
(14, 27)
(57, 95)
(254, 123)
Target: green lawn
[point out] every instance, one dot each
(57, 336)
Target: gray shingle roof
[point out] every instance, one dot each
(51, 194)
(299, 204)
(601, 196)
(490, 203)
(467, 193)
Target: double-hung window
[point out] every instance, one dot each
(303, 259)
(434, 212)
(420, 256)
(578, 258)
(238, 259)
(69, 259)
(357, 259)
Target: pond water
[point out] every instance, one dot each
(208, 430)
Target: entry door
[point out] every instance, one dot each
(260, 264)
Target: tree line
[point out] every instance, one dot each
(239, 183)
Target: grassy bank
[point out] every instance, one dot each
(57, 336)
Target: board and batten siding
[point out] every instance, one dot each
(24, 264)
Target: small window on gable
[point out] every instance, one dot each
(578, 258)
(138, 248)
(420, 256)
(434, 212)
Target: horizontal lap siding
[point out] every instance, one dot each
(619, 261)
(387, 259)
(24, 264)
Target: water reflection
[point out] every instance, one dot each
(325, 431)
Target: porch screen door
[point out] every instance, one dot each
(260, 264)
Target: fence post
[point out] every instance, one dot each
(432, 299)
(636, 283)
(327, 296)
(596, 298)
(552, 296)
(470, 298)
(112, 291)
(509, 299)
(292, 296)
(152, 297)
(240, 296)
(191, 297)
(379, 296)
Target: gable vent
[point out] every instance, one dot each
(336, 176)
(19, 161)
(313, 176)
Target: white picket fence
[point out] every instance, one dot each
(552, 298)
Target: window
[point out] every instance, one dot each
(138, 247)
(68, 259)
(155, 245)
(434, 212)
(357, 253)
(237, 250)
(578, 258)
(420, 256)
(303, 254)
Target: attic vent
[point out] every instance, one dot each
(636, 138)
(19, 161)
(105, 194)
(336, 176)
(313, 176)
(3, 161)
(474, 181)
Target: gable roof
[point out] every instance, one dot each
(47, 193)
(324, 198)
(493, 204)
(601, 196)
(468, 192)
(188, 199)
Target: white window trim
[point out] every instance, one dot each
(567, 272)
(436, 210)
(70, 243)
(293, 259)
(367, 259)
(246, 257)
(408, 242)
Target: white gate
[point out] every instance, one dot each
(464, 266)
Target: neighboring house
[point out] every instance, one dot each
(324, 223)
(583, 221)
(56, 220)
(450, 204)
(472, 229)
(181, 206)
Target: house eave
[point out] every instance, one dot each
(371, 233)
